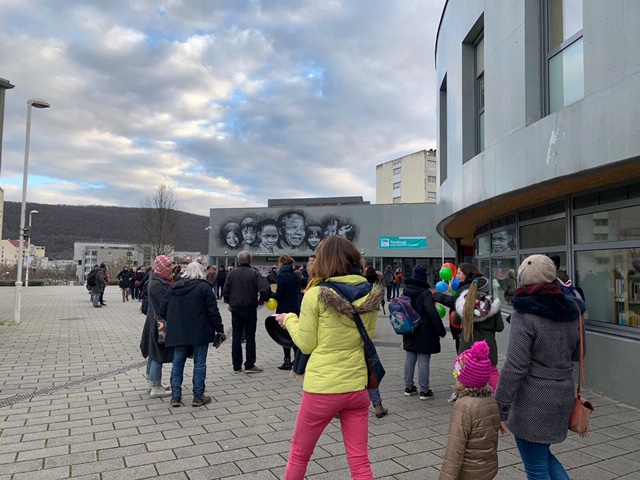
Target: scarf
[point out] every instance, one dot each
(168, 279)
(538, 290)
(285, 268)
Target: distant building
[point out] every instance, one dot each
(409, 179)
(188, 257)
(88, 254)
(9, 252)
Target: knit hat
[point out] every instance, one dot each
(536, 269)
(472, 368)
(419, 273)
(162, 262)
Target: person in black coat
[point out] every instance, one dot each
(125, 277)
(156, 353)
(424, 341)
(286, 294)
(222, 277)
(193, 319)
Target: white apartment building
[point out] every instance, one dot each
(409, 179)
(9, 252)
(88, 254)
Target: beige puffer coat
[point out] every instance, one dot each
(472, 447)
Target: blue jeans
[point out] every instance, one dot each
(243, 321)
(180, 354)
(539, 462)
(424, 360)
(154, 372)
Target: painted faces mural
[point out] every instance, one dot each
(290, 231)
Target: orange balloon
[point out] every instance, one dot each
(452, 267)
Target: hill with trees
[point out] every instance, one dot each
(57, 227)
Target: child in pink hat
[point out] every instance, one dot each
(472, 447)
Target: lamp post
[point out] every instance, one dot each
(37, 103)
(26, 275)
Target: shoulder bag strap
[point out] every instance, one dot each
(581, 360)
(356, 315)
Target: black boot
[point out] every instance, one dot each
(286, 365)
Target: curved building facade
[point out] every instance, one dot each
(539, 152)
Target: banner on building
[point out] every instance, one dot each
(402, 243)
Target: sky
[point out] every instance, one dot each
(229, 102)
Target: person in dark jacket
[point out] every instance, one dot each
(139, 282)
(243, 289)
(424, 341)
(222, 277)
(193, 319)
(98, 289)
(124, 277)
(286, 294)
(156, 353)
(536, 389)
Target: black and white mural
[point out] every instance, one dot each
(289, 231)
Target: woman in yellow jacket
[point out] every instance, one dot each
(335, 379)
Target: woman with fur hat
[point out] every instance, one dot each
(472, 446)
(536, 389)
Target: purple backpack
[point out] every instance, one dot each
(403, 317)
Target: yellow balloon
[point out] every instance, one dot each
(272, 304)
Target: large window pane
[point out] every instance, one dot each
(565, 20)
(609, 226)
(610, 280)
(500, 277)
(547, 234)
(566, 77)
(504, 240)
(484, 245)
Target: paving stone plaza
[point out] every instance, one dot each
(73, 404)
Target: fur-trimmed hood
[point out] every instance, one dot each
(374, 295)
(486, 306)
(558, 308)
(475, 392)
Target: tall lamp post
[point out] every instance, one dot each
(37, 103)
(26, 275)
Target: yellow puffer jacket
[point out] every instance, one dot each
(326, 330)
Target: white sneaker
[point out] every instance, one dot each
(163, 386)
(159, 392)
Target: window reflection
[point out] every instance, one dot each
(503, 241)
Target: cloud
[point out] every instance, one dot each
(230, 102)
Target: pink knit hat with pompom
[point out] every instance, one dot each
(472, 367)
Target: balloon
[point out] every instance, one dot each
(452, 267)
(272, 304)
(446, 273)
(453, 292)
(455, 283)
(442, 287)
(441, 310)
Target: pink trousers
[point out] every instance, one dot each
(494, 376)
(315, 413)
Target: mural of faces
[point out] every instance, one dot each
(503, 241)
(289, 231)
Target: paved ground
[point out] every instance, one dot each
(73, 404)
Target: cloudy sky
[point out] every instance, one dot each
(230, 102)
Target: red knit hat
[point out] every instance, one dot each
(472, 368)
(162, 262)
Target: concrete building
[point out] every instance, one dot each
(539, 152)
(9, 252)
(409, 179)
(399, 235)
(86, 255)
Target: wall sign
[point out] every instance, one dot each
(402, 243)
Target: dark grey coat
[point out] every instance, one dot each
(536, 390)
(156, 288)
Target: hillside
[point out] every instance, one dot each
(57, 227)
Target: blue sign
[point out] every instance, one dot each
(403, 243)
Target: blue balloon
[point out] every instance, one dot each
(455, 284)
(442, 286)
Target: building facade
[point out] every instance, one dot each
(9, 253)
(539, 152)
(86, 255)
(409, 179)
(401, 235)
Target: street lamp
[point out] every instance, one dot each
(37, 103)
(26, 276)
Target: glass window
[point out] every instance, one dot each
(503, 240)
(546, 234)
(503, 278)
(565, 20)
(397, 170)
(432, 165)
(610, 280)
(479, 92)
(483, 245)
(397, 200)
(397, 185)
(431, 195)
(610, 226)
(431, 179)
(566, 77)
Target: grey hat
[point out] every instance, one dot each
(536, 269)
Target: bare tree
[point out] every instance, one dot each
(160, 220)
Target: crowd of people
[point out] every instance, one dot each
(317, 303)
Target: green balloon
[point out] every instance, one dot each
(441, 310)
(446, 274)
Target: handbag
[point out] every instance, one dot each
(375, 370)
(582, 409)
(162, 329)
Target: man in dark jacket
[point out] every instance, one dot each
(243, 289)
(222, 277)
(101, 284)
(424, 341)
(193, 319)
